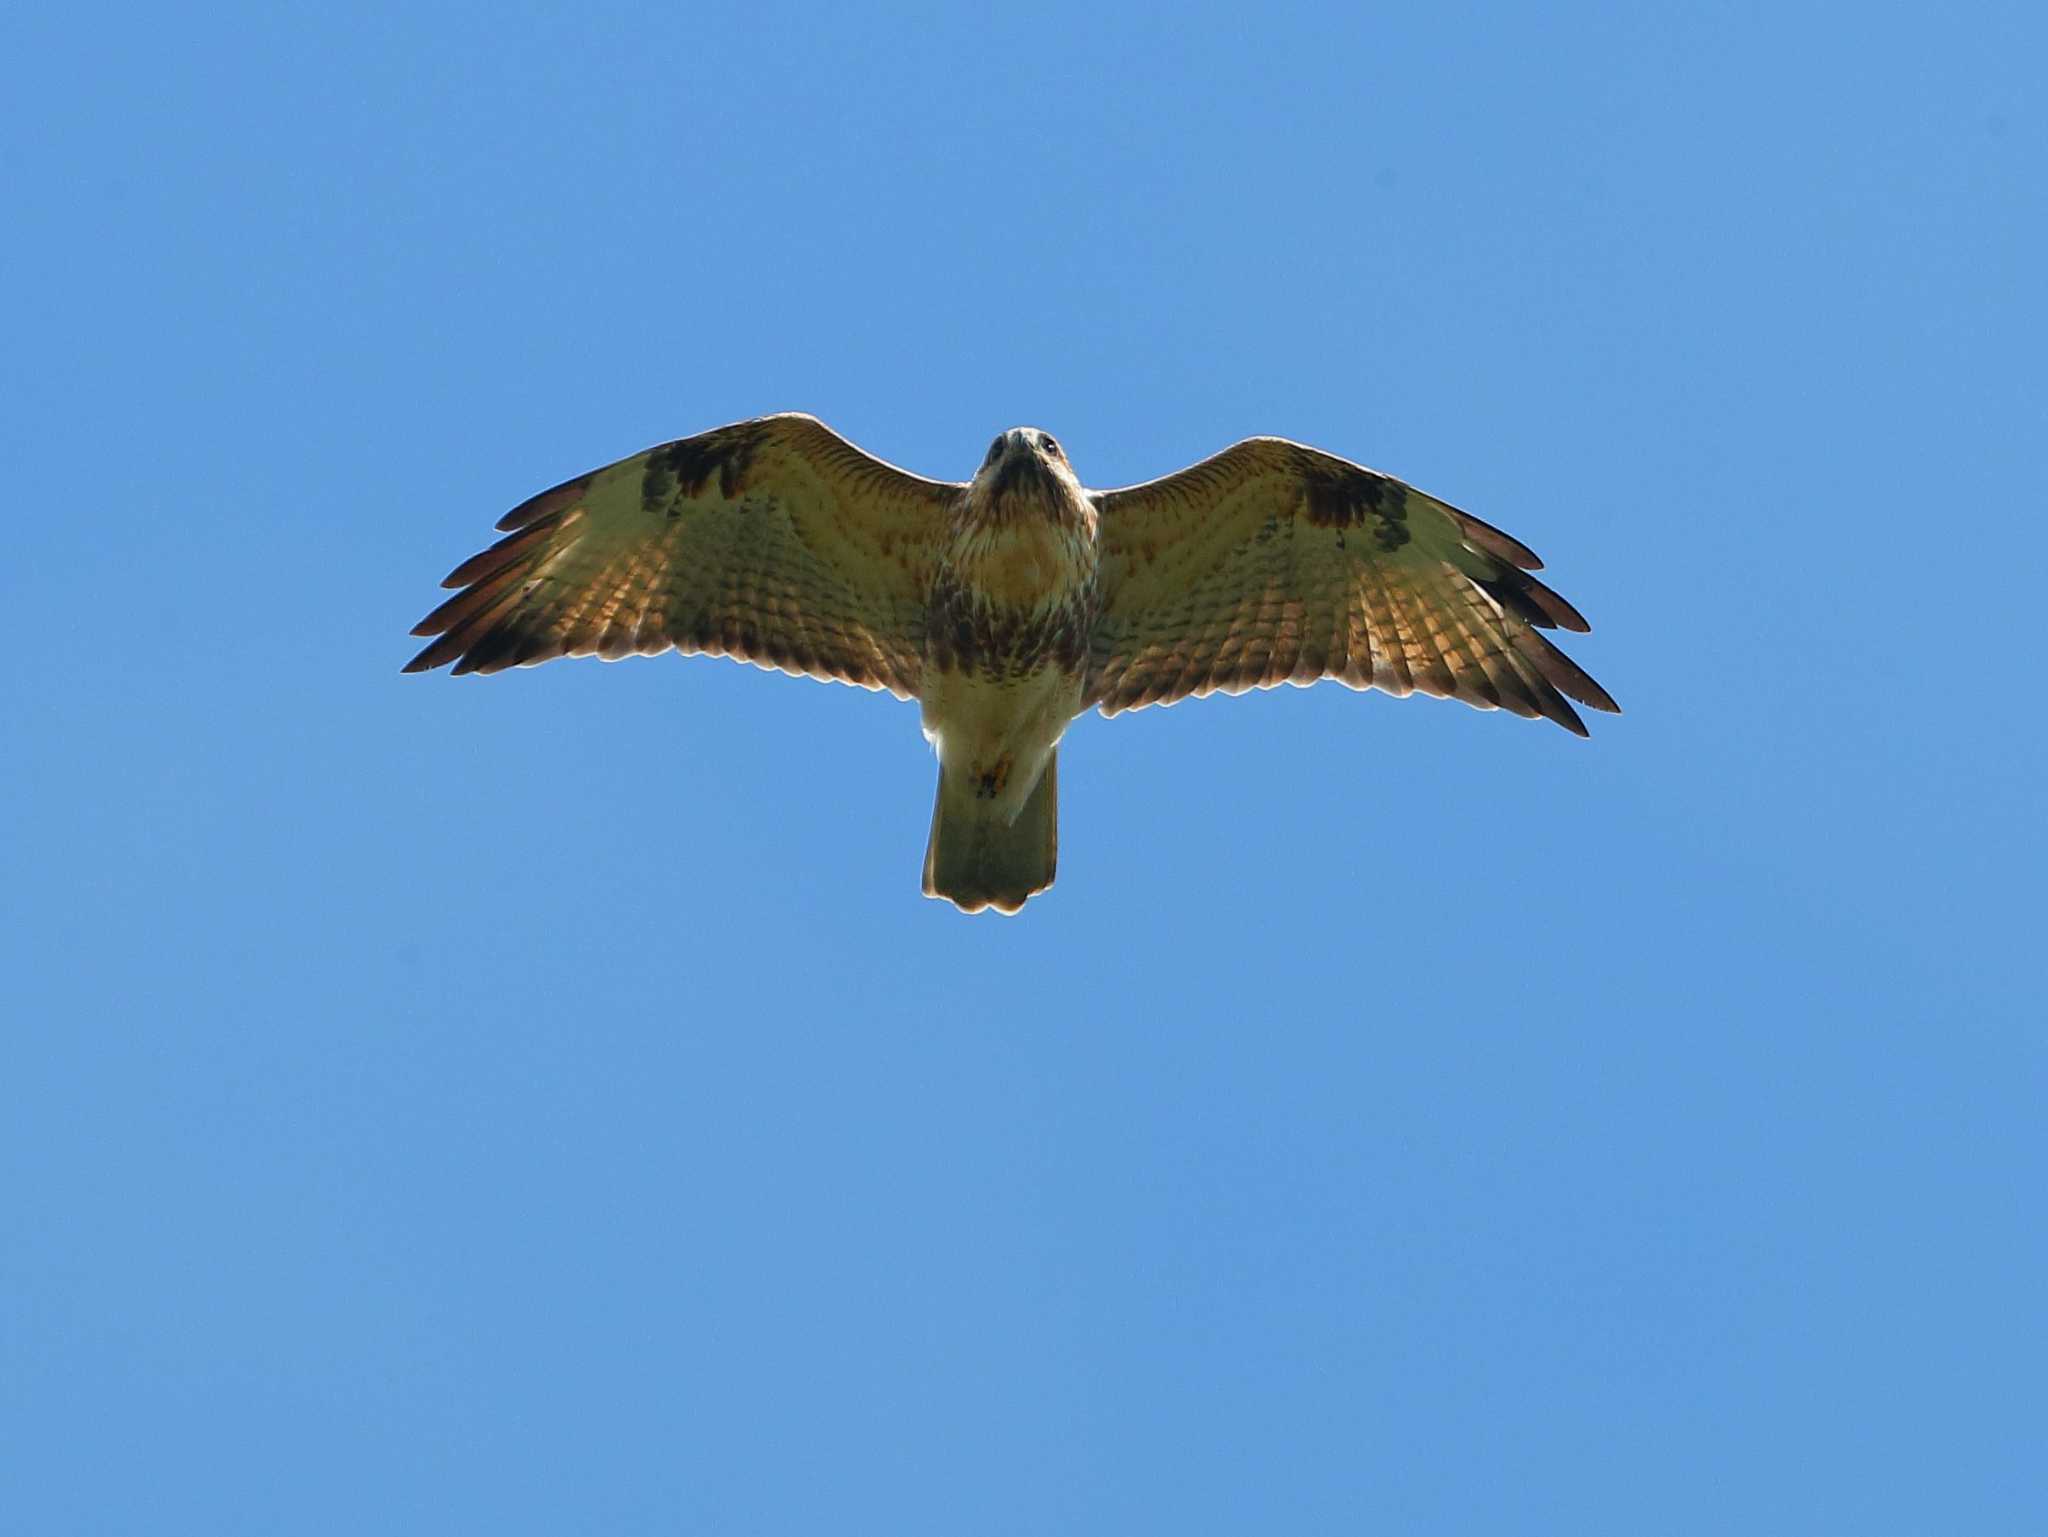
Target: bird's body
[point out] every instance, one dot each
(1005, 664)
(1009, 604)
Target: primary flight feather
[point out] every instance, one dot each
(1008, 604)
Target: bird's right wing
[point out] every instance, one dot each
(773, 541)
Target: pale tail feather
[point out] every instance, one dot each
(975, 859)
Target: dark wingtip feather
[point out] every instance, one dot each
(1597, 698)
(1565, 674)
(457, 611)
(439, 654)
(1483, 535)
(554, 499)
(492, 651)
(1555, 708)
(1557, 608)
(508, 551)
(1577, 682)
(1528, 599)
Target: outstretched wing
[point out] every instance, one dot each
(1276, 563)
(775, 541)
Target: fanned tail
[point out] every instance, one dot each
(977, 860)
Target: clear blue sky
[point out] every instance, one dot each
(545, 1103)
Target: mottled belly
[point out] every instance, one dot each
(999, 731)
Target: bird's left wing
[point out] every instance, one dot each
(773, 541)
(1277, 563)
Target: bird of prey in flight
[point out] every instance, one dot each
(1009, 604)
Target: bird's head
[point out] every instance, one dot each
(1025, 462)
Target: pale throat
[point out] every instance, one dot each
(1025, 549)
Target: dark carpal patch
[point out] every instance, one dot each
(687, 468)
(1342, 497)
(658, 483)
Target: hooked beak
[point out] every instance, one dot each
(1020, 465)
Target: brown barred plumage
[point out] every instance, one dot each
(1009, 603)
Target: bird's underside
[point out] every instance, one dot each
(1009, 603)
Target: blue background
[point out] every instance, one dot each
(545, 1103)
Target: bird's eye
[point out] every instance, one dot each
(1050, 445)
(993, 449)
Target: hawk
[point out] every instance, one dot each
(1008, 605)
